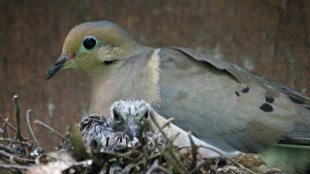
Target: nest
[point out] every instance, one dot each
(120, 153)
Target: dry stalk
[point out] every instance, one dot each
(29, 126)
(51, 129)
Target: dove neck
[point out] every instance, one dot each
(135, 78)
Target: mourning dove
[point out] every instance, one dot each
(223, 104)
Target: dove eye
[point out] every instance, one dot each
(89, 42)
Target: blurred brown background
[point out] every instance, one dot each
(269, 37)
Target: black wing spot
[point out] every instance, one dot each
(169, 59)
(237, 93)
(266, 107)
(308, 108)
(245, 90)
(269, 99)
(296, 100)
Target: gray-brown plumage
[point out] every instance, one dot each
(219, 102)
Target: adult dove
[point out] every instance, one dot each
(221, 103)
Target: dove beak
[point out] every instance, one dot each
(57, 66)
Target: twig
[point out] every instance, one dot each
(156, 166)
(179, 163)
(179, 170)
(105, 168)
(205, 163)
(239, 165)
(7, 123)
(29, 145)
(15, 158)
(184, 157)
(118, 155)
(194, 150)
(151, 157)
(167, 123)
(14, 166)
(158, 127)
(17, 110)
(82, 163)
(127, 169)
(5, 134)
(9, 149)
(27, 118)
(226, 157)
(51, 129)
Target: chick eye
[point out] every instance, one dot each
(116, 115)
(89, 42)
(146, 115)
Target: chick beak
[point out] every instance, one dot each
(133, 128)
(57, 66)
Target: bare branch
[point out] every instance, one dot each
(239, 165)
(29, 145)
(34, 137)
(9, 149)
(177, 160)
(14, 166)
(85, 163)
(205, 163)
(155, 166)
(158, 127)
(15, 158)
(5, 134)
(169, 158)
(17, 110)
(223, 155)
(51, 129)
(7, 123)
(167, 123)
(194, 150)
(118, 155)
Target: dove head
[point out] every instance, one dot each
(93, 44)
(128, 115)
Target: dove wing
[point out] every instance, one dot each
(229, 105)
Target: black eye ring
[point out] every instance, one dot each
(89, 42)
